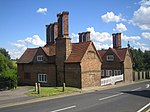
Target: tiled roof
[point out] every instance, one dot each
(28, 55)
(120, 53)
(78, 51)
(102, 52)
(49, 50)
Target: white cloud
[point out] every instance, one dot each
(99, 37)
(146, 35)
(130, 38)
(142, 46)
(141, 17)
(111, 17)
(100, 46)
(35, 40)
(144, 2)
(75, 37)
(22, 45)
(120, 27)
(42, 10)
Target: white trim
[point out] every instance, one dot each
(110, 57)
(109, 73)
(102, 73)
(42, 78)
(117, 72)
(40, 58)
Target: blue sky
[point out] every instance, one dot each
(22, 22)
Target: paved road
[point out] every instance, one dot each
(131, 98)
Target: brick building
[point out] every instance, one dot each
(116, 60)
(60, 60)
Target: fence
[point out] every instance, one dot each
(111, 80)
(141, 75)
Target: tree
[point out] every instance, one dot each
(7, 70)
(4, 52)
(147, 60)
(141, 60)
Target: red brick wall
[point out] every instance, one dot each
(90, 68)
(33, 70)
(73, 75)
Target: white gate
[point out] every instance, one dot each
(111, 80)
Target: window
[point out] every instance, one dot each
(42, 78)
(102, 73)
(117, 72)
(108, 72)
(40, 58)
(110, 57)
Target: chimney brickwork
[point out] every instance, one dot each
(51, 33)
(63, 46)
(116, 40)
(84, 36)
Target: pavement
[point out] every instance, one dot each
(18, 96)
(14, 96)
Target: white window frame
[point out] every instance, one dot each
(102, 73)
(110, 57)
(109, 73)
(40, 58)
(42, 78)
(117, 72)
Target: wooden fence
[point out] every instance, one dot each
(141, 75)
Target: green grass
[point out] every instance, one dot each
(52, 91)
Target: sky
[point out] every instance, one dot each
(22, 22)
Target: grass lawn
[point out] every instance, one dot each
(52, 91)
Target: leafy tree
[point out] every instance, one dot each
(7, 70)
(147, 60)
(4, 52)
(141, 60)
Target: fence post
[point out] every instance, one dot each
(64, 87)
(36, 88)
(39, 88)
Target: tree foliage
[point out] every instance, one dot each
(7, 69)
(4, 52)
(141, 60)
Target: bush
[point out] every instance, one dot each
(8, 74)
(10, 77)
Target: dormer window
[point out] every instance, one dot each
(40, 58)
(110, 57)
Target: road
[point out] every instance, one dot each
(130, 98)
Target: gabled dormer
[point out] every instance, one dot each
(40, 56)
(111, 56)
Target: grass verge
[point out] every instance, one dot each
(52, 91)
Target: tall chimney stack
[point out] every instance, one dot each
(65, 25)
(59, 17)
(84, 36)
(55, 30)
(47, 34)
(116, 40)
